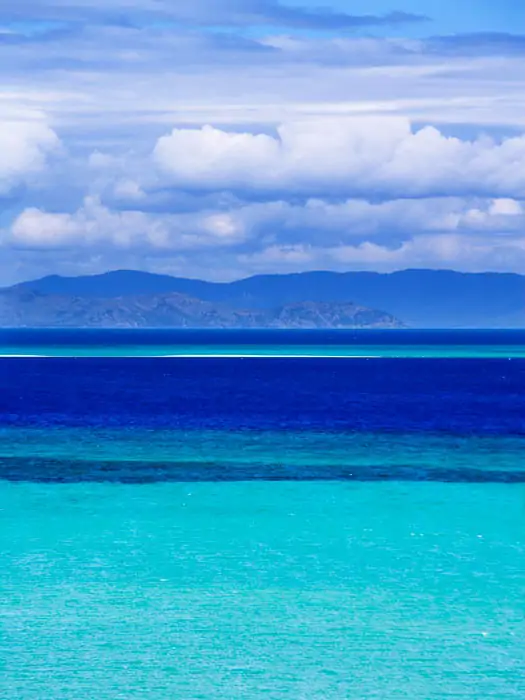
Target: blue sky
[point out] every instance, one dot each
(445, 16)
(223, 138)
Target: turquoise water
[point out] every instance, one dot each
(310, 529)
(234, 351)
(259, 590)
(262, 343)
(97, 454)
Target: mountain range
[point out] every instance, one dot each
(415, 298)
(33, 309)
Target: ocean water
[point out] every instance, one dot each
(302, 528)
(265, 343)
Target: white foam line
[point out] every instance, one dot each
(210, 356)
(247, 356)
(269, 357)
(25, 355)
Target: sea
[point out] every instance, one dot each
(235, 515)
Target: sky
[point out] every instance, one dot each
(224, 138)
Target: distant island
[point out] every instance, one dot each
(23, 308)
(133, 299)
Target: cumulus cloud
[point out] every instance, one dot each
(352, 156)
(473, 253)
(363, 193)
(450, 251)
(323, 222)
(289, 177)
(25, 147)
(95, 226)
(468, 234)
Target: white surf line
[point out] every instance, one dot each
(247, 356)
(203, 356)
(25, 355)
(269, 357)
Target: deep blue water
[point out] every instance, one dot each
(474, 396)
(177, 405)
(158, 337)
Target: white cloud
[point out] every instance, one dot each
(449, 251)
(129, 190)
(349, 178)
(506, 207)
(211, 157)
(468, 234)
(472, 253)
(25, 147)
(91, 225)
(120, 82)
(38, 228)
(318, 219)
(381, 156)
(96, 226)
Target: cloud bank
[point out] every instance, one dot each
(221, 138)
(379, 157)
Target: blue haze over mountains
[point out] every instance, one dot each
(416, 298)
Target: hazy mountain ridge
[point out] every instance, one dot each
(420, 298)
(21, 307)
